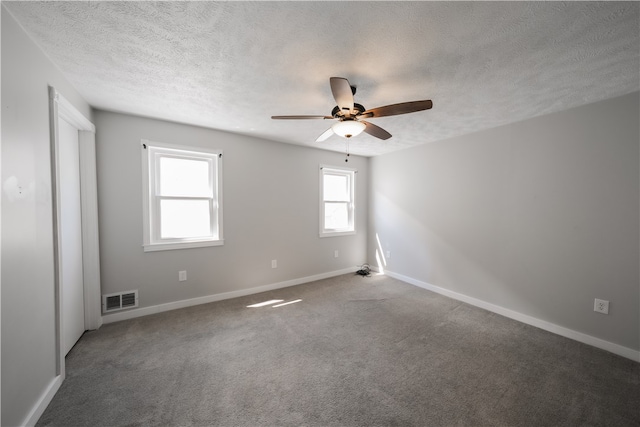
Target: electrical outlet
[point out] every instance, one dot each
(274, 263)
(335, 253)
(601, 306)
(182, 276)
(388, 254)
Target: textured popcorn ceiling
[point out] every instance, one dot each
(232, 65)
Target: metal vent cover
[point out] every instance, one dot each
(113, 302)
(119, 301)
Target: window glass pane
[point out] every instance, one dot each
(184, 219)
(184, 177)
(336, 216)
(336, 187)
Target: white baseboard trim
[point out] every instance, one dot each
(38, 409)
(529, 320)
(145, 311)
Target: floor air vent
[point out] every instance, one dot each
(119, 301)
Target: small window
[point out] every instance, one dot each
(182, 190)
(337, 201)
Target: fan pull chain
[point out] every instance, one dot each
(347, 159)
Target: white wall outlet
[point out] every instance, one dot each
(601, 306)
(335, 253)
(388, 255)
(274, 263)
(182, 276)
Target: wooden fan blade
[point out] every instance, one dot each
(395, 109)
(376, 131)
(300, 117)
(341, 90)
(325, 135)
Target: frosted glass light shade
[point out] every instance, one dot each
(348, 128)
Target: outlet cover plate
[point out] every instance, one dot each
(601, 306)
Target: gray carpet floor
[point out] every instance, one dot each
(355, 351)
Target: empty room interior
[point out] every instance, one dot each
(320, 213)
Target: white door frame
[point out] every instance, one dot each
(61, 109)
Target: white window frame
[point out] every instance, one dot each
(152, 152)
(351, 205)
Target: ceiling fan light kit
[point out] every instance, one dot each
(350, 115)
(348, 128)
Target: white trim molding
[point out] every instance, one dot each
(54, 104)
(620, 350)
(145, 311)
(69, 113)
(38, 409)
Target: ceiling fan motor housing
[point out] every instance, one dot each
(338, 113)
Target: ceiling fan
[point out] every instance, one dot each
(350, 115)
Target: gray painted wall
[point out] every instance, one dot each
(539, 217)
(271, 211)
(28, 316)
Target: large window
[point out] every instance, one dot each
(337, 201)
(182, 196)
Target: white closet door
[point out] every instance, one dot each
(72, 287)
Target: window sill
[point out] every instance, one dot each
(337, 233)
(182, 245)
